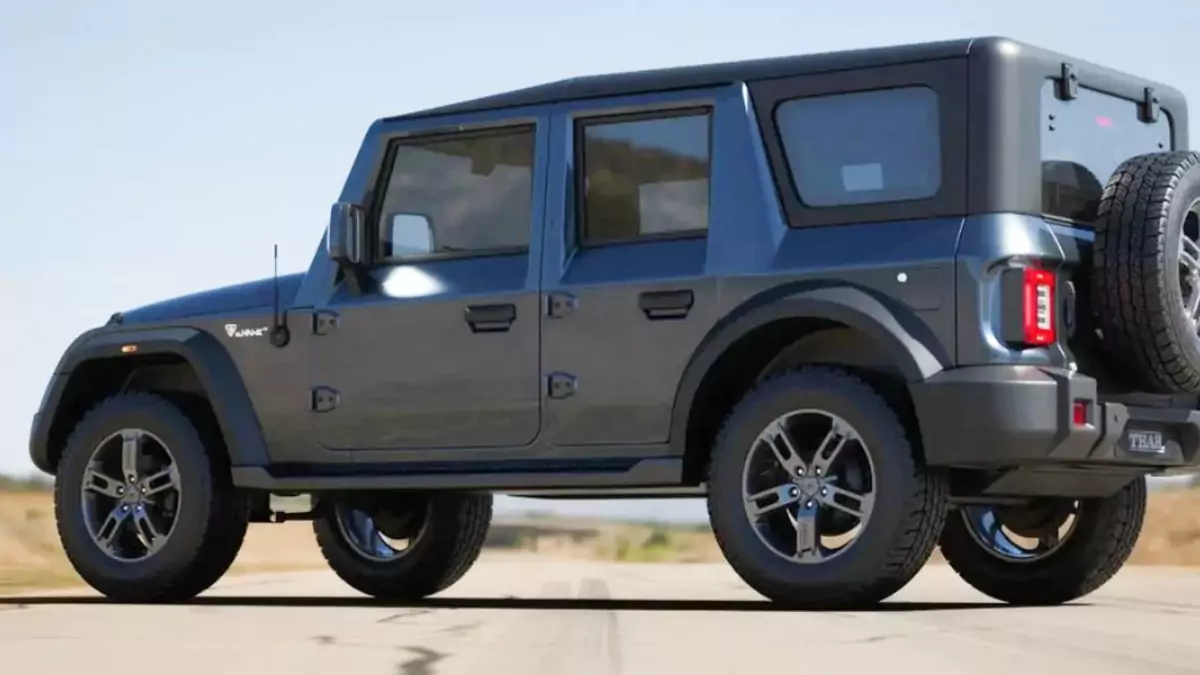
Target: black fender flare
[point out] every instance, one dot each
(213, 366)
(853, 306)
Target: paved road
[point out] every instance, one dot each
(535, 617)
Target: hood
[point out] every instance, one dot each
(239, 297)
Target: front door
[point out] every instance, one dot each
(441, 349)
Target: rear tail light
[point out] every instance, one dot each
(1029, 307)
(1037, 314)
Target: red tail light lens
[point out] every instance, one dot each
(1038, 307)
(1079, 413)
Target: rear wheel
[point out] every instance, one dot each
(144, 502)
(815, 493)
(403, 547)
(1048, 552)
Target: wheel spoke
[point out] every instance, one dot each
(1189, 255)
(808, 545)
(131, 446)
(166, 479)
(375, 539)
(1047, 541)
(993, 532)
(787, 456)
(110, 530)
(775, 498)
(367, 532)
(149, 532)
(863, 503)
(831, 446)
(95, 481)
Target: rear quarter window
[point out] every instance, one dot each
(862, 147)
(1083, 141)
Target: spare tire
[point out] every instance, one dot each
(1145, 290)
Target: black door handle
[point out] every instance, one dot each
(490, 318)
(666, 304)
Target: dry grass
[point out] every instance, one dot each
(1172, 532)
(30, 555)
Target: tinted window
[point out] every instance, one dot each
(645, 177)
(1083, 142)
(862, 148)
(466, 193)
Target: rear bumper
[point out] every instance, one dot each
(1021, 416)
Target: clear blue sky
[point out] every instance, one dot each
(149, 149)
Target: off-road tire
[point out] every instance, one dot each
(910, 499)
(446, 549)
(1101, 544)
(209, 528)
(1136, 294)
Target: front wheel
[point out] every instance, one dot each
(144, 503)
(406, 546)
(1048, 552)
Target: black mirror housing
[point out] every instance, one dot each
(345, 238)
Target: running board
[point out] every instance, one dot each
(525, 475)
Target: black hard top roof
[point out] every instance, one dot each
(712, 74)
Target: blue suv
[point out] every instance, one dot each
(865, 303)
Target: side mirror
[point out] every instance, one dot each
(345, 238)
(407, 235)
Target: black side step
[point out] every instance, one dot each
(605, 473)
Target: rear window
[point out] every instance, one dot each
(863, 147)
(1083, 142)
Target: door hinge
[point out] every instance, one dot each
(324, 322)
(324, 399)
(1068, 83)
(559, 305)
(1150, 106)
(561, 385)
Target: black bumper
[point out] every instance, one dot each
(1011, 416)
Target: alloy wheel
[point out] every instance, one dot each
(808, 484)
(1024, 534)
(131, 495)
(381, 534)
(1189, 264)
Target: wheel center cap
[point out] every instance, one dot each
(809, 485)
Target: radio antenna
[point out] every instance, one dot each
(280, 335)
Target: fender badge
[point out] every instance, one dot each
(232, 330)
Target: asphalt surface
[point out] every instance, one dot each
(534, 617)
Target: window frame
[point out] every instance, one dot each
(375, 224)
(580, 125)
(948, 80)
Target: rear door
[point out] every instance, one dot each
(440, 348)
(628, 297)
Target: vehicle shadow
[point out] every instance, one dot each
(506, 603)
